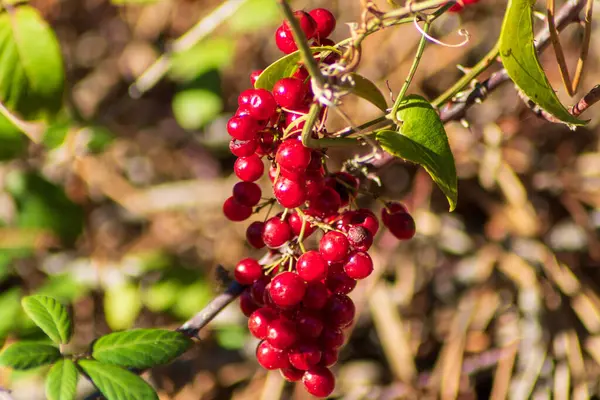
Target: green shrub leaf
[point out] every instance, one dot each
(140, 348)
(51, 316)
(519, 57)
(27, 355)
(116, 383)
(61, 381)
(10, 310)
(283, 68)
(367, 90)
(31, 66)
(122, 305)
(193, 108)
(422, 140)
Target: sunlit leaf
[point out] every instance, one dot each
(117, 383)
(193, 108)
(519, 57)
(206, 55)
(367, 90)
(61, 381)
(422, 140)
(51, 316)
(122, 304)
(10, 308)
(27, 355)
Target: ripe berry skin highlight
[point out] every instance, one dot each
(290, 93)
(287, 289)
(242, 128)
(325, 22)
(276, 232)
(249, 169)
(334, 246)
(235, 211)
(311, 266)
(319, 381)
(248, 271)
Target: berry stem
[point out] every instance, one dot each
(302, 43)
(309, 141)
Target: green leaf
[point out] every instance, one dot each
(192, 298)
(206, 55)
(367, 90)
(10, 309)
(231, 337)
(140, 348)
(283, 68)
(61, 381)
(193, 108)
(520, 60)
(27, 355)
(254, 14)
(422, 140)
(122, 304)
(31, 66)
(117, 383)
(51, 316)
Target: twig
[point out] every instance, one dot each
(202, 29)
(592, 97)
(33, 130)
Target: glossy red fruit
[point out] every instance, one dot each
(340, 283)
(254, 234)
(307, 24)
(259, 321)
(334, 246)
(359, 265)
(331, 338)
(257, 290)
(247, 193)
(316, 296)
(302, 74)
(311, 266)
(247, 304)
(296, 222)
(287, 289)
(289, 193)
(261, 104)
(235, 211)
(254, 76)
(249, 169)
(247, 271)
(309, 324)
(345, 184)
(282, 333)
(242, 128)
(329, 358)
(267, 144)
(314, 185)
(270, 357)
(460, 4)
(291, 374)
(319, 381)
(339, 311)
(293, 156)
(285, 41)
(359, 237)
(290, 93)
(326, 203)
(243, 148)
(291, 117)
(325, 22)
(276, 232)
(397, 219)
(304, 355)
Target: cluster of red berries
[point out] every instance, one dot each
(461, 4)
(298, 304)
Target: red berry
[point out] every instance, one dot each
(304, 355)
(254, 234)
(325, 22)
(340, 283)
(243, 148)
(276, 232)
(290, 92)
(259, 321)
(282, 333)
(332, 338)
(326, 203)
(235, 211)
(457, 7)
(319, 381)
(254, 76)
(249, 169)
(326, 42)
(309, 324)
(359, 237)
(339, 311)
(247, 193)
(247, 271)
(296, 222)
(242, 128)
(316, 296)
(291, 374)
(329, 358)
(247, 304)
(291, 117)
(359, 265)
(289, 193)
(311, 266)
(261, 104)
(293, 156)
(362, 217)
(270, 357)
(287, 289)
(345, 184)
(334, 246)
(285, 41)
(267, 144)
(257, 290)
(397, 219)
(307, 24)
(302, 74)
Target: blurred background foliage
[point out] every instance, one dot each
(118, 212)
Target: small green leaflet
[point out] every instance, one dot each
(367, 90)
(117, 383)
(283, 68)
(31, 66)
(61, 381)
(51, 316)
(520, 60)
(422, 140)
(27, 355)
(140, 348)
